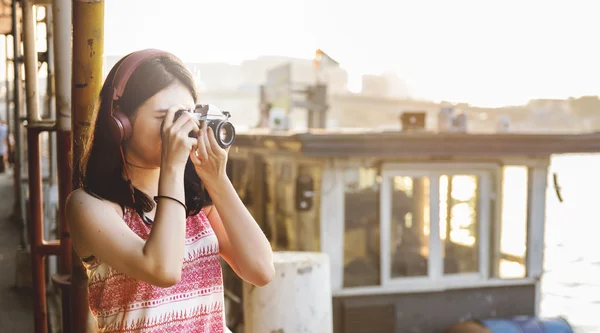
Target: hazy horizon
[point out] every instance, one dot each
(479, 52)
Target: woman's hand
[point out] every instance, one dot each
(210, 160)
(176, 144)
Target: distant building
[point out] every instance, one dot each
(254, 72)
(383, 98)
(384, 86)
(375, 86)
(554, 106)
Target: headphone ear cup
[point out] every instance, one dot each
(120, 127)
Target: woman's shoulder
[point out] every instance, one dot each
(82, 199)
(86, 215)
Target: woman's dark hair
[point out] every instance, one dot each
(101, 165)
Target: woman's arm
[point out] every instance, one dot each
(243, 244)
(97, 229)
(241, 241)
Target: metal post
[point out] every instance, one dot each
(36, 226)
(19, 209)
(7, 85)
(51, 110)
(88, 49)
(63, 16)
(38, 265)
(31, 61)
(62, 53)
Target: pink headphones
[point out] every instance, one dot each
(119, 124)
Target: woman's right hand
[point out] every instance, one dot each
(176, 144)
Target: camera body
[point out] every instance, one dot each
(218, 120)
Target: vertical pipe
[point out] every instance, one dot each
(19, 209)
(36, 230)
(88, 49)
(62, 19)
(31, 61)
(62, 59)
(29, 25)
(7, 85)
(34, 164)
(36, 226)
(50, 93)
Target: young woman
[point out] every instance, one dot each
(156, 210)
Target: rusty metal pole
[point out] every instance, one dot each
(38, 266)
(36, 233)
(62, 19)
(88, 50)
(50, 105)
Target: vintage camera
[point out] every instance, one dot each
(216, 119)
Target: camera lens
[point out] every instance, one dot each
(224, 133)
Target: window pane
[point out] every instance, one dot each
(459, 196)
(361, 230)
(513, 228)
(410, 226)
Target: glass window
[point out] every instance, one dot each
(459, 223)
(410, 221)
(361, 228)
(511, 248)
(456, 202)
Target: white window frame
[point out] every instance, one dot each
(333, 222)
(435, 260)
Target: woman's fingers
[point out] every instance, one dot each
(208, 148)
(183, 119)
(194, 157)
(192, 143)
(206, 137)
(189, 126)
(168, 120)
(201, 151)
(215, 147)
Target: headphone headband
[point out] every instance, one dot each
(128, 66)
(120, 126)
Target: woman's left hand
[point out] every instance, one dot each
(210, 160)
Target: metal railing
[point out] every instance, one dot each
(70, 26)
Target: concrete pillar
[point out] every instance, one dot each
(298, 299)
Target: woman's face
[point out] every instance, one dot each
(144, 146)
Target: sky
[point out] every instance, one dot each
(487, 53)
(484, 52)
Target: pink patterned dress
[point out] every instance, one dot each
(194, 305)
